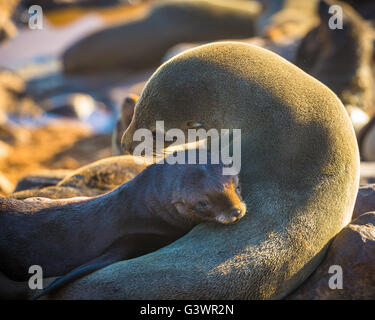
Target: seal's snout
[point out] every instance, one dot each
(233, 215)
(238, 212)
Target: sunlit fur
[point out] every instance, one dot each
(299, 177)
(218, 196)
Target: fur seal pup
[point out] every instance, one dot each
(142, 43)
(93, 179)
(341, 59)
(299, 178)
(155, 208)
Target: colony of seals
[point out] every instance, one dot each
(299, 177)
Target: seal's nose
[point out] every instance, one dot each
(236, 213)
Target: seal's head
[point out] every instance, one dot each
(205, 194)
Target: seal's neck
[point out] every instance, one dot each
(146, 202)
(141, 206)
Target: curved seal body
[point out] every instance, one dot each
(299, 176)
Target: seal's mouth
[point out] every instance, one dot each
(231, 218)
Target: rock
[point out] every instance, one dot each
(4, 149)
(7, 28)
(13, 98)
(142, 43)
(45, 147)
(353, 249)
(365, 200)
(11, 133)
(341, 59)
(6, 186)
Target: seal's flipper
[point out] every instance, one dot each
(93, 265)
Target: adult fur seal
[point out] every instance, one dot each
(299, 178)
(143, 43)
(158, 206)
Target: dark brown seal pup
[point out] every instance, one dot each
(155, 208)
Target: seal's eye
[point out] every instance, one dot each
(202, 205)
